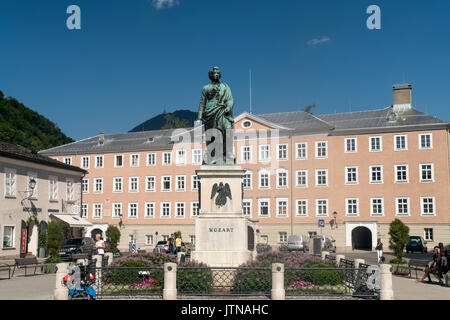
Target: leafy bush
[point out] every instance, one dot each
(399, 235)
(55, 238)
(112, 237)
(398, 261)
(194, 277)
(53, 260)
(43, 239)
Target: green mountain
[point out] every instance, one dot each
(176, 119)
(25, 127)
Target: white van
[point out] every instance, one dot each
(297, 242)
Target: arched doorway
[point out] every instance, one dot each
(95, 232)
(362, 238)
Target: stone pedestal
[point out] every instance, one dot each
(221, 231)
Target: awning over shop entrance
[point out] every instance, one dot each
(73, 220)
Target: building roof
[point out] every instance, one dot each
(296, 122)
(18, 152)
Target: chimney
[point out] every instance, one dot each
(101, 138)
(402, 96)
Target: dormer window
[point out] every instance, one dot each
(246, 124)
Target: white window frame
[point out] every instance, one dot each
(408, 203)
(95, 185)
(282, 237)
(264, 171)
(115, 160)
(82, 162)
(426, 235)
(278, 200)
(346, 145)
(52, 193)
(395, 142)
(85, 210)
(381, 174)
(130, 183)
(317, 178)
(372, 213)
(85, 185)
(93, 210)
(432, 173)
(194, 178)
(250, 179)
(260, 200)
(243, 153)
(162, 210)
(164, 158)
(151, 154)
(192, 209)
(370, 144)
(13, 246)
(297, 213)
(70, 191)
(297, 172)
(162, 183)
(180, 161)
(13, 192)
(115, 190)
(317, 150)
(279, 149)
(249, 201)
(148, 239)
(297, 148)
(327, 204)
(177, 179)
(96, 161)
(194, 151)
(176, 210)
(147, 179)
(420, 141)
(68, 158)
(347, 182)
(147, 206)
(396, 175)
(422, 211)
(131, 160)
(129, 210)
(263, 152)
(286, 172)
(347, 212)
(113, 209)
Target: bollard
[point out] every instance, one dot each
(170, 281)
(358, 262)
(325, 253)
(278, 291)
(181, 257)
(386, 292)
(338, 258)
(61, 292)
(98, 270)
(110, 257)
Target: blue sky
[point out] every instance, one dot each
(132, 58)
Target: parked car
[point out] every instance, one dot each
(416, 243)
(163, 245)
(76, 246)
(297, 242)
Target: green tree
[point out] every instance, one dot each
(112, 237)
(55, 238)
(399, 234)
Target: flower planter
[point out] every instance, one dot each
(400, 269)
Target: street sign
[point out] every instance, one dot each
(321, 223)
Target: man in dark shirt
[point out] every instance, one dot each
(171, 247)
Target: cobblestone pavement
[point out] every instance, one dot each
(39, 287)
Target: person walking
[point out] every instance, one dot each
(178, 243)
(379, 249)
(171, 244)
(99, 245)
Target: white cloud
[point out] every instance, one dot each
(163, 4)
(316, 41)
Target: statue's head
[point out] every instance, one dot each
(214, 74)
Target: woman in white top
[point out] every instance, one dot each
(379, 249)
(99, 245)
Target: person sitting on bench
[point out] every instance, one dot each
(435, 268)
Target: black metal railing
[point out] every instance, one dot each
(129, 281)
(223, 281)
(330, 259)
